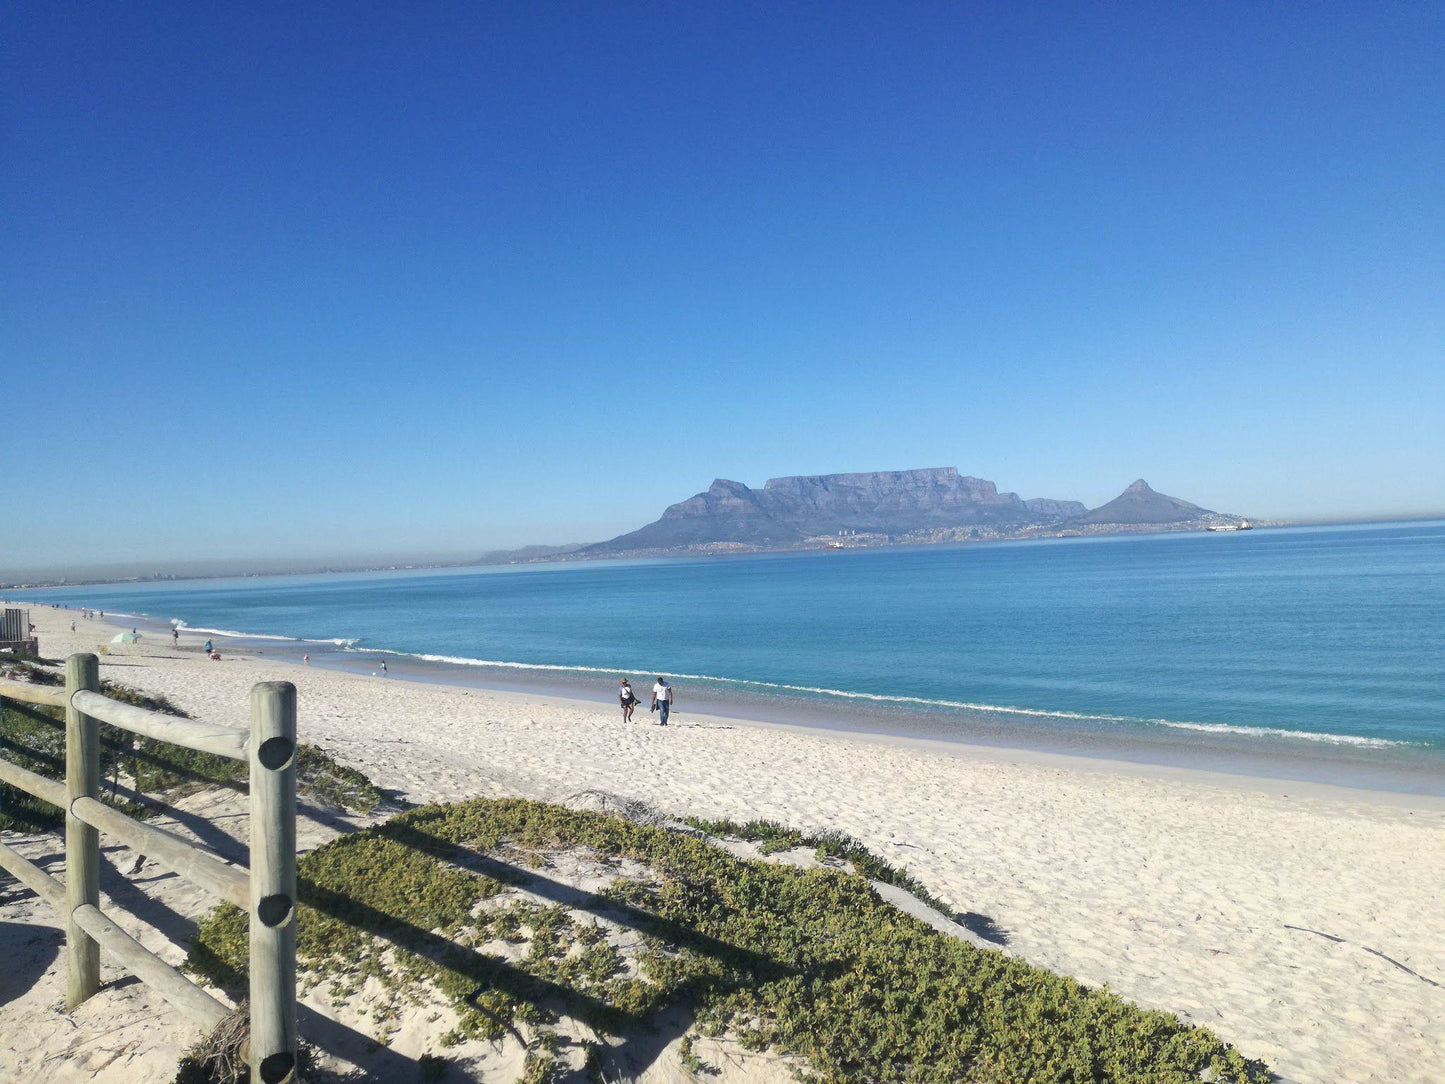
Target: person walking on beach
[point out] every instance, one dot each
(662, 700)
(627, 698)
(383, 668)
(207, 648)
(175, 636)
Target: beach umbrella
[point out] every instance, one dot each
(125, 638)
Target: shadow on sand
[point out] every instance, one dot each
(28, 953)
(636, 1041)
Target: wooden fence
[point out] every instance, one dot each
(267, 891)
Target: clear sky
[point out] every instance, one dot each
(377, 277)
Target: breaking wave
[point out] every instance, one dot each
(920, 701)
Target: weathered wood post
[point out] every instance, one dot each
(273, 881)
(82, 842)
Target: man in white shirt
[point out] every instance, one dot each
(662, 699)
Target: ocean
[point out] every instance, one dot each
(1272, 645)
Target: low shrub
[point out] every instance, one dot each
(775, 837)
(809, 962)
(29, 668)
(34, 738)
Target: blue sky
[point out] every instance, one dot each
(370, 278)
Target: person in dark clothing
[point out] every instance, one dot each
(627, 698)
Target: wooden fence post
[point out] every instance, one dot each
(82, 842)
(273, 881)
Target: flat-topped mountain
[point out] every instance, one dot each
(790, 510)
(1048, 509)
(904, 500)
(1140, 504)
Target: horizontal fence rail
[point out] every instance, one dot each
(267, 891)
(33, 877)
(150, 968)
(47, 790)
(180, 855)
(225, 741)
(44, 695)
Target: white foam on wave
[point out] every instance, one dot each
(461, 660)
(959, 705)
(1279, 732)
(339, 642)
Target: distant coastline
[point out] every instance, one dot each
(500, 558)
(939, 536)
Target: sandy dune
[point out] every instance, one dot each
(1302, 924)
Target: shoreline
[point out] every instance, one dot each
(288, 651)
(1257, 754)
(1298, 921)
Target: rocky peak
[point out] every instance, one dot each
(723, 498)
(1140, 504)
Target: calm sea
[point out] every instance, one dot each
(1303, 636)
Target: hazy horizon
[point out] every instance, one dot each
(219, 561)
(301, 563)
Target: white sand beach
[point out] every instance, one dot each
(1302, 923)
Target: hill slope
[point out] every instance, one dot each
(1140, 504)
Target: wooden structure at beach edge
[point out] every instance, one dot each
(267, 892)
(15, 634)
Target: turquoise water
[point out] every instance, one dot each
(1325, 635)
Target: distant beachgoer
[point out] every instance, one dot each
(662, 700)
(175, 635)
(627, 698)
(72, 626)
(207, 647)
(306, 658)
(383, 668)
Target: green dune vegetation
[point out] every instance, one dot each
(478, 904)
(133, 767)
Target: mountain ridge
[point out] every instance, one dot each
(910, 505)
